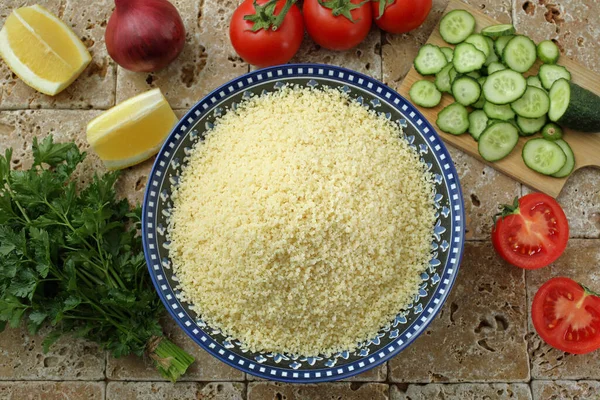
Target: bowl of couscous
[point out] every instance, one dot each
(303, 223)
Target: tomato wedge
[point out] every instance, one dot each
(531, 233)
(567, 316)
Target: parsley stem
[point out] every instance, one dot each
(12, 195)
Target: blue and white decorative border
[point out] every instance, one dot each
(322, 73)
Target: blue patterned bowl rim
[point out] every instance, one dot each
(337, 75)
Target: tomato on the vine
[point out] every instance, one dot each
(266, 32)
(400, 16)
(338, 24)
(531, 233)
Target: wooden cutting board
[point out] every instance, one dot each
(586, 146)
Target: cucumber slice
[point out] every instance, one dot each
(569, 164)
(574, 107)
(551, 131)
(482, 80)
(548, 52)
(425, 94)
(442, 79)
(494, 67)
(544, 156)
(467, 58)
(500, 44)
(456, 26)
(492, 57)
(497, 141)
(519, 54)
(448, 52)
(453, 119)
(560, 97)
(480, 43)
(430, 60)
(534, 80)
(494, 31)
(551, 73)
(474, 74)
(452, 74)
(466, 90)
(480, 102)
(494, 111)
(477, 123)
(503, 87)
(530, 126)
(533, 104)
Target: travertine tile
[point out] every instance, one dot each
(22, 358)
(580, 262)
(461, 391)
(322, 391)
(565, 390)
(18, 390)
(179, 391)
(479, 335)
(95, 87)
(500, 10)
(207, 61)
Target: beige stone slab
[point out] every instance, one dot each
(19, 390)
(565, 390)
(322, 391)
(95, 87)
(179, 391)
(581, 262)
(479, 335)
(461, 391)
(207, 61)
(22, 358)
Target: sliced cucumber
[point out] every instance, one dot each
(467, 58)
(497, 141)
(500, 44)
(453, 119)
(494, 67)
(480, 102)
(551, 131)
(448, 52)
(495, 31)
(456, 26)
(569, 164)
(466, 90)
(480, 43)
(544, 156)
(519, 54)
(502, 112)
(474, 74)
(482, 80)
(503, 87)
(492, 57)
(530, 126)
(574, 107)
(477, 123)
(442, 79)
(430, 60)
(452, 74)
(533, 104)
(548, 52)
(551, 73)
(534, 81)
(425, 94)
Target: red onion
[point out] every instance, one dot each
(144, 35)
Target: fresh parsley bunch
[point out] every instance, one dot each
(72, 258)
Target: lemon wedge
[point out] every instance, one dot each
(41, 50)
(132, 131)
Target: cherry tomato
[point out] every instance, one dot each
(268, 39)
(567, 316)
(401, 16)
(531, 233)
(330, 27)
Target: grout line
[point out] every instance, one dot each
(513, 11)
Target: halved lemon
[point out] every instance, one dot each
(132, 131)
(41, 50)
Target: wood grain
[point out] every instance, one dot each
(586, 146)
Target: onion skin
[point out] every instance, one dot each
(144, 35)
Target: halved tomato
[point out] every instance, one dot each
(531, 233)
(567, 316)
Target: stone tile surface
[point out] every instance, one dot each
(461, 391)
(565, 390)
(479, 334)
(207, 61)
(179, 391)
(18, 390)
(581, 262)
(323, 391)
(95, 87)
